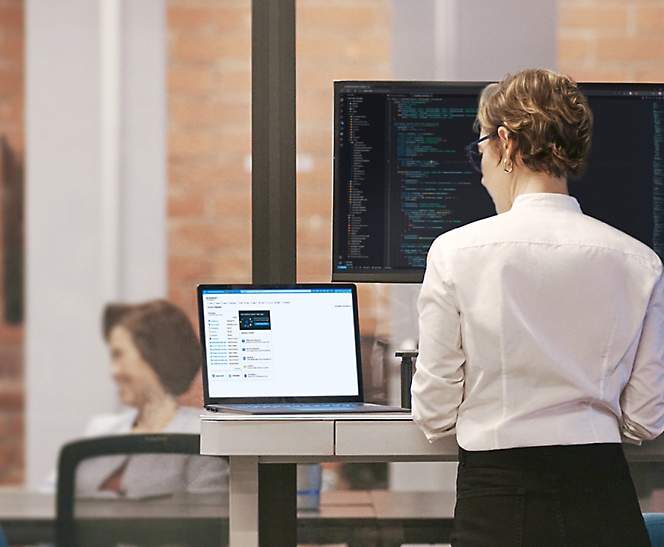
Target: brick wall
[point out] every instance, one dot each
(11, 337)
(336, 40)
(209, 78)
(209, 202)
(612, 40)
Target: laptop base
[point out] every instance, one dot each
(305, 408)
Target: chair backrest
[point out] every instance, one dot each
(144, 490)
(655, 525)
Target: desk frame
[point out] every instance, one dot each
(263, 452)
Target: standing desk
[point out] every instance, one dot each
(263, 451)
(251, 442)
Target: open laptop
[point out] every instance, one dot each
(284, 349)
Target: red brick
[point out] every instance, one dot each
(654, 75)
(206, 112)
(11, 82)
(16, 139)
(584, 74)
(201, 18)
(315, 141)
(184, 296)
(11, 17)
(210, 236)
(17, 426)
(367, 48)
(190, 267)
(11, 49)
(316, 108)
(572, 16)
(315, 205)
(313, 270)
(204, 48)
(234, 204)
(213, 174)
(233, 81)
(318, 47)
(11, 333)
(233, 142)
(189, 80)
(314, 232)
(190, 18)
(320, 179)
(11, 110)
(192, 143)
(185, 205)
(572, 48)
(630, 49)
(232, 18)
(338, 17)
(233, 269)
(650, 17)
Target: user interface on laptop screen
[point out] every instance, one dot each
(280, 342)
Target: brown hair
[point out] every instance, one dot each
(164, 337)
(547, 117)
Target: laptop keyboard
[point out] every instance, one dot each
(300, 406)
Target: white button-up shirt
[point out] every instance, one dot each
(540, 326)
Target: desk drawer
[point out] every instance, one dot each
(389, 438)
(267, 438)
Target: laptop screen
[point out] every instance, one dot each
(273, 344)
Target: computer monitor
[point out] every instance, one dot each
(401, 176)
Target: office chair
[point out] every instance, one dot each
(655, 525)
(146, 490)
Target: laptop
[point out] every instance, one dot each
(282, 349)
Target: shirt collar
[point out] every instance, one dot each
(544, 200)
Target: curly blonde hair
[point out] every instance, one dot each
(548, 119)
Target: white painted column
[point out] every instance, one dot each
(95, 200)
(463, 40)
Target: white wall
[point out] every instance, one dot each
(96, 200)
(467, 40)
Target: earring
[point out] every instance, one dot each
(505, 166)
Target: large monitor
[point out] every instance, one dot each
(401, 176)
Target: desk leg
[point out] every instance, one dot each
(243, 509)
(277, 505)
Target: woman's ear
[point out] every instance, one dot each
(506, 144)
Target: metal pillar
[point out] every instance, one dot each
(273, 141)
(273, 199)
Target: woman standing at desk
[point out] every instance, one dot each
(541, 337)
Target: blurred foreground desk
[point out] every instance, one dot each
(263, 452)
(27, 517)
(377, 517)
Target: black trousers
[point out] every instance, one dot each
(547, 496)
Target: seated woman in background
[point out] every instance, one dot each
(155, 356)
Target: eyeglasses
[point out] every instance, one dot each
(473, 153)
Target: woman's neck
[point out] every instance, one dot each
(156, 414)
(532, 182)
